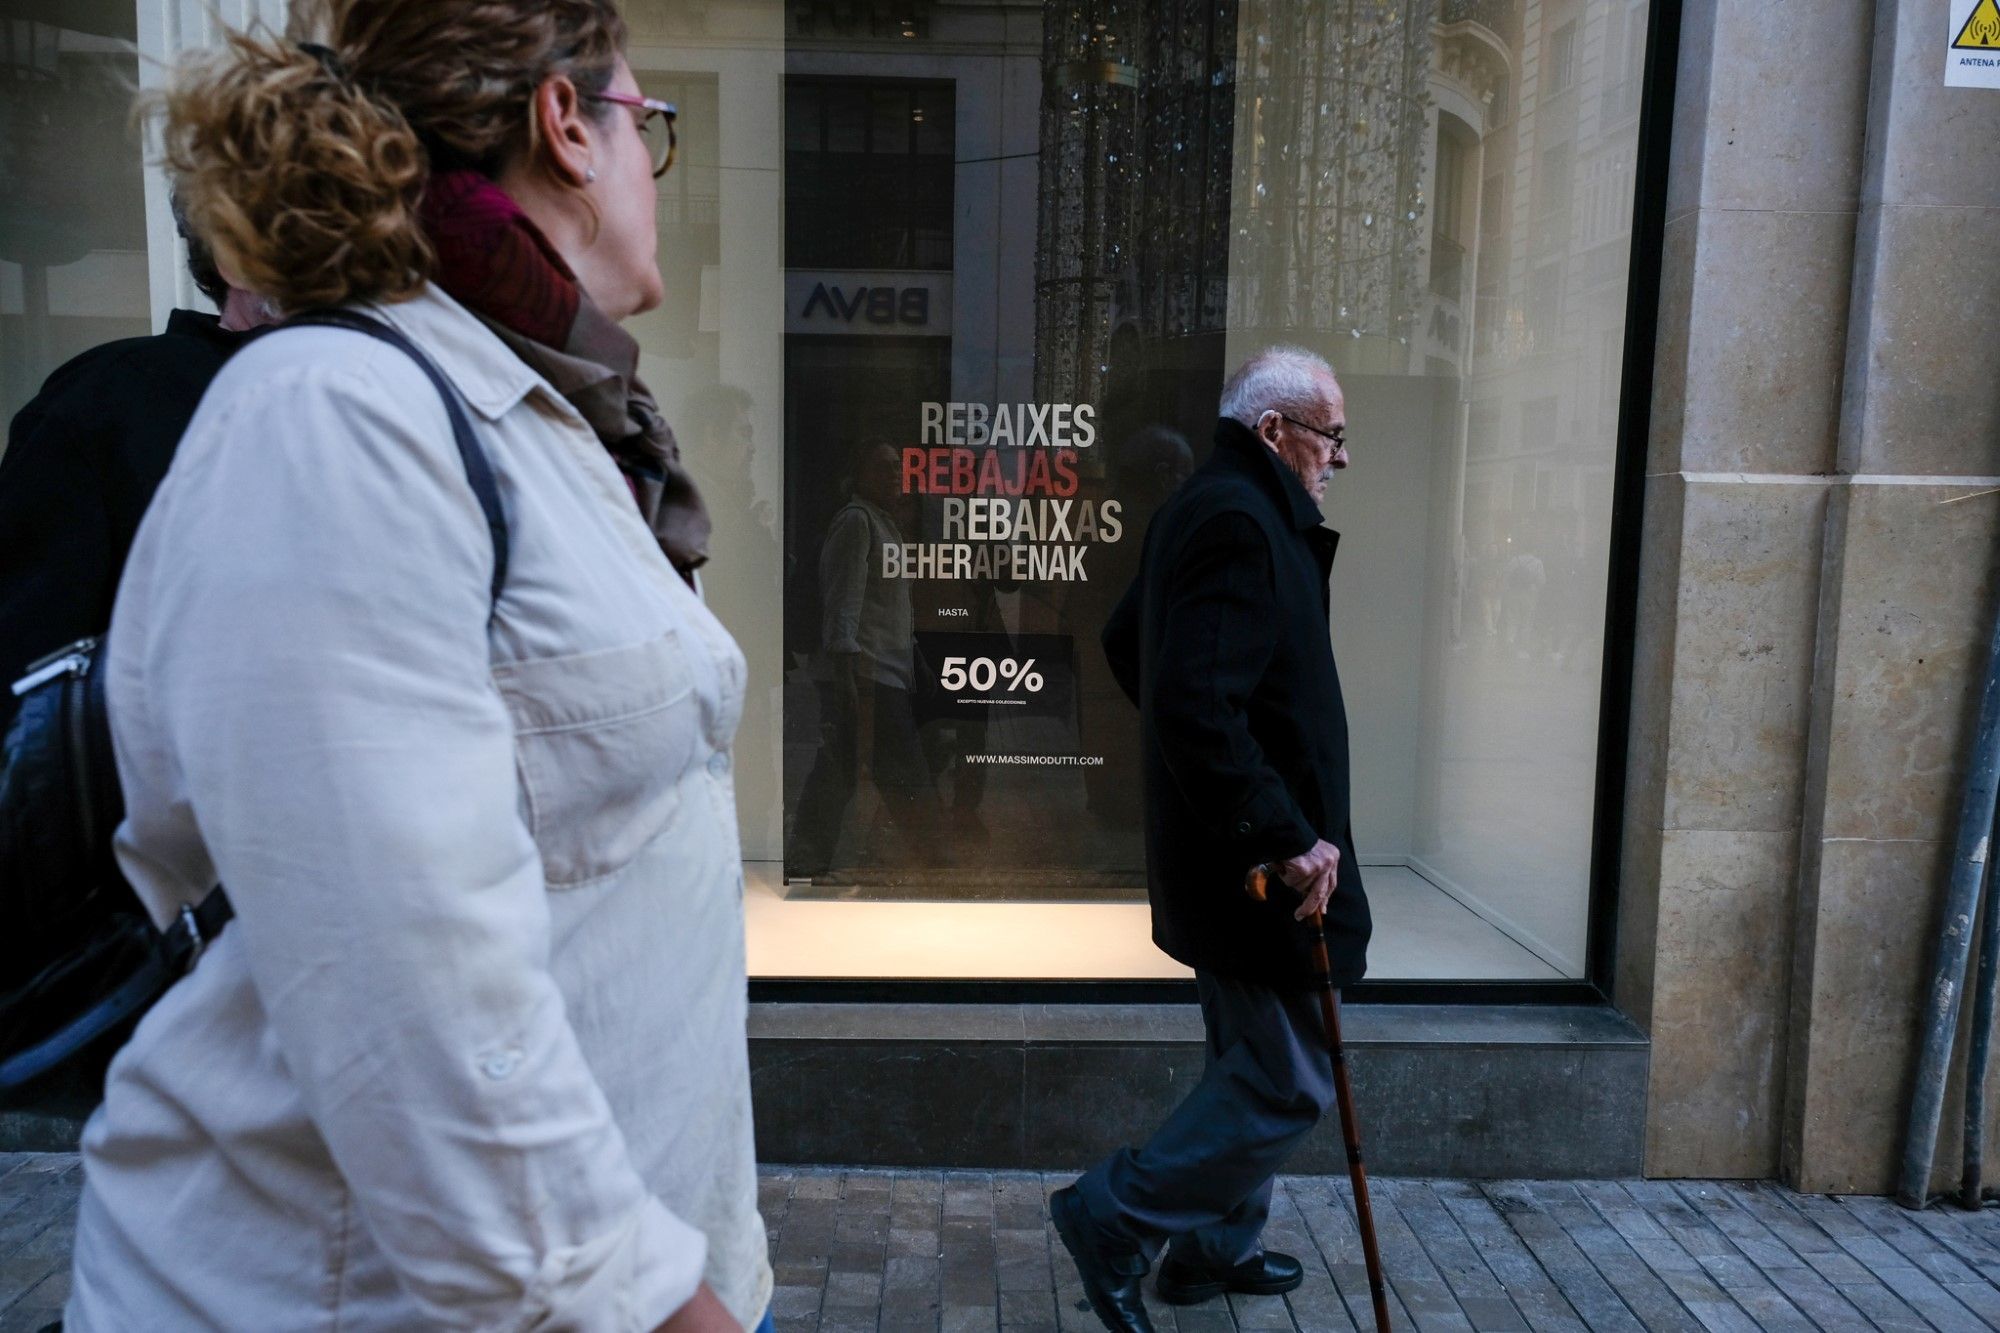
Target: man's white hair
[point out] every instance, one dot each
(1277, 379)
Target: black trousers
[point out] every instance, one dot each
(909, 794)
(1203, 1180)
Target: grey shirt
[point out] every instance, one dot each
(860, 610)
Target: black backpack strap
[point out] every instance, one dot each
(190, 932)
(478, 468)
(167, 958)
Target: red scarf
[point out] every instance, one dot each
(497, 263)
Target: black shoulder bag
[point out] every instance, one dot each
(81, 958)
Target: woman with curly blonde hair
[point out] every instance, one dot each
(471, 1053)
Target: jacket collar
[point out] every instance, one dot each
(204, 328)
(484, 370)
(1238, 448)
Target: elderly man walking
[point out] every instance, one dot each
(1223, 643)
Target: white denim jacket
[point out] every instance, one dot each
(472, 1055)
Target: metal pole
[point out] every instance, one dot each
(1971, 1178)
(1941, 996)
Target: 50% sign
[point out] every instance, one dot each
(983, 673)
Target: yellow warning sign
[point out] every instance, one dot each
(1982, 29)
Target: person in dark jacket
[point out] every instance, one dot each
(83, 459)
(1223, 642)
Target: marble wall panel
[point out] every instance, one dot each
(1743, 655)
(1920, 573)
(1719, 1003)
(868, 1102)
(1687, 155)
(1637, 963)
(1903, 653)
(1646, 742)
(1765, 340)
(1832, 256)
(1654, 648)
(1878, 904)
(1671, 344)
(1782, 132)
(1805, 911)
(1921, 393)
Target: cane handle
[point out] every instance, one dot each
(1257, 883)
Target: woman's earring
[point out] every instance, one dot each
(589, 175)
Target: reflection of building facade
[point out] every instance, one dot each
(869, 249)
(1535, 135)
(718, 371)
(1328, 237)
(1534, 148)
(1132, 261)
(72, 214)
(950, 91)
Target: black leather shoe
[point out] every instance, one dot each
(1112, 1278)
(1269, 1274)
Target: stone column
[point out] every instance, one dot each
(1821, 558)
(1906, 607)
(1762, 201)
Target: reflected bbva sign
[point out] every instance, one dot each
(868, 304)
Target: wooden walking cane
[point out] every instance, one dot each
(1257, 885)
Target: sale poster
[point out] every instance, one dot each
(1004, 328)
(968, 732)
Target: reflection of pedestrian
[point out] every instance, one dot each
(1520, 600)
(1223, 642)
(1150, 465)
(1492, 571)
(719, 442)
(743, 583)
(1455, 623)
(1572, 605)
(867, 650)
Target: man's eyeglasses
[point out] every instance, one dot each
(659, 141)
(1338, 434)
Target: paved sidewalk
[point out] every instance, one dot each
(889, 1251)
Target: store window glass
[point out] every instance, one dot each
(953, 290)
(73, 269)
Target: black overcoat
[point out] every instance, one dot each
(1223, 641)
(83, 459)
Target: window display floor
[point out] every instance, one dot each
(1421, 934)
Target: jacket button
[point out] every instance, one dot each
(718, 763)
(1243, 829)
(499, 1065)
